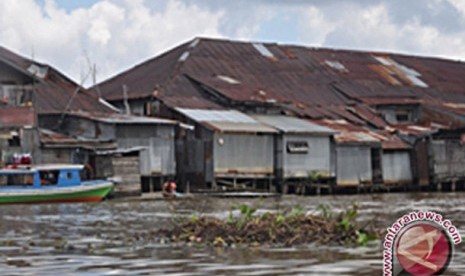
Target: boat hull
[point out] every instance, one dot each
(82, 193)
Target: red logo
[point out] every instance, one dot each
(424, 249)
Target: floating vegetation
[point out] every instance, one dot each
(294, 227)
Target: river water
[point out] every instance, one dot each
(116, 237)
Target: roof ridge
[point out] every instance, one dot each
(143, 63)
(332, 49)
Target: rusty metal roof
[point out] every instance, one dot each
(53, 90)
(348, 133)
(283, 74)
(51, 139)
(146, 79)
(56, 92)
(415, 130)
(116, 118)
(18, 62)
(314, 83)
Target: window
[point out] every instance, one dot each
(152, 108)
(38, 70)
(297, 147)
(48, 177)
(17, 180)
(14, 141)
(402, 117)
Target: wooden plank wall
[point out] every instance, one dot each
(127, 169)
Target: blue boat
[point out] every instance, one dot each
(48, 184)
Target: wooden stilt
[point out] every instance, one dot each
(285, 188)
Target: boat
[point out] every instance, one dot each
(49, 184)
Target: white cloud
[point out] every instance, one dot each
(315, 26)
(372, 27)
(117, 34)
(459, 5)
(102, 16)
(114, 35)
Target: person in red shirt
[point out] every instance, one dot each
(169, 189)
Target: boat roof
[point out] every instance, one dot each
(16, 171)
(45, 167)
(25, 169)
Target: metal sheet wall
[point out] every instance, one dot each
(390, 113)
(421, 162)
(159, 156)
(89, 129)
(302, 164)
(353, 165)
(57, 156)
(448, 159)
(243, 153)
(397, 167)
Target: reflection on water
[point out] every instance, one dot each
(116, 238)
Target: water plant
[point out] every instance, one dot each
(288, 228)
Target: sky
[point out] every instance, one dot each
(114, 35)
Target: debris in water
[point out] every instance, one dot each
(287, 229)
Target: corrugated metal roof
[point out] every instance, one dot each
(12, 59)
(313, 78)
(147, 77)
(115, 118)
(53, 90)
(310, 82)
(52, 139)
(288, 124)
(348, 133)
(120, 150)
(239, 127)
(203, 115)
(355, 137)
(226, 120)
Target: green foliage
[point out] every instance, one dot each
(280, 219)
(347, 223)
(352, 213)
(296, 212)
(314, 176)
(289, 227)
(247, 211)
(325, 210)
(194, 218)
(246, 214)
(362, 238)
(231, 216)
(347, 219)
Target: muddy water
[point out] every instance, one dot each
(116, 238)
